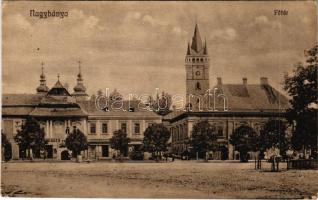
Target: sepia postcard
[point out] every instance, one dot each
(159, 99)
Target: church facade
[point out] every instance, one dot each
(227, 106)
(57, 111)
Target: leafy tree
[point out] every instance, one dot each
(244, 139)
(273, 135)
(204, 138)
(120, 141)
(156, 139)
(6, 146)
(76, 141)
(161, 105)
(31, 136)
(302, 87)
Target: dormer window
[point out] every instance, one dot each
(131, 109)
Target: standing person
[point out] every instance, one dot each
(289, 155)
(42, 153)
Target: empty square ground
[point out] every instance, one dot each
(180, 179)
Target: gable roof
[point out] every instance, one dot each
(59, 90)
(251, 97)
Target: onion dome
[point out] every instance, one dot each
(79, 89)
(42, 88)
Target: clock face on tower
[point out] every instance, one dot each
(198, 73)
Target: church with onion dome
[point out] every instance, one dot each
(57, 109)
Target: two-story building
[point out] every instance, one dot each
(226, 106)
(57, 110)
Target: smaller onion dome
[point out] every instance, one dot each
(42, 88)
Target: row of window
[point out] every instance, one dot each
(179, 134)
(104, 127)
(196, 60)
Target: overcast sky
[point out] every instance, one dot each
(139, 46)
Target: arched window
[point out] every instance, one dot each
(193, 59)
(198, 86)
(201, 59)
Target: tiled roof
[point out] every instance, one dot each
(57, 100)
(249, 98)
(16, 111)
(21, 99)
(54, 112)
(252, 97)
(91, 109)
(173, 114)
(59, 90)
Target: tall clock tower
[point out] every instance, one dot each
(197, 71)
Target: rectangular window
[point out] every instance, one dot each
(104, 128)
(92, 128)
(220, 131)
(123, 127)
(137, 128)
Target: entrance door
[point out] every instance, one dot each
(224, 152)
(49, 150)
(105, 152)
(65, 155)
(22, 153)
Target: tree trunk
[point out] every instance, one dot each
(273, 164)
(255, 164)
(259, 164)
(243, 157)
(29, 154)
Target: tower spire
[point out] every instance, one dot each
(196, 39)
(42, 63)
(188, 50)
(42, 88)
(197, 67)
(80, 89)
(79, 75)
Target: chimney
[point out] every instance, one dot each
(219, 81)
(244, 81)
(264, 81)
